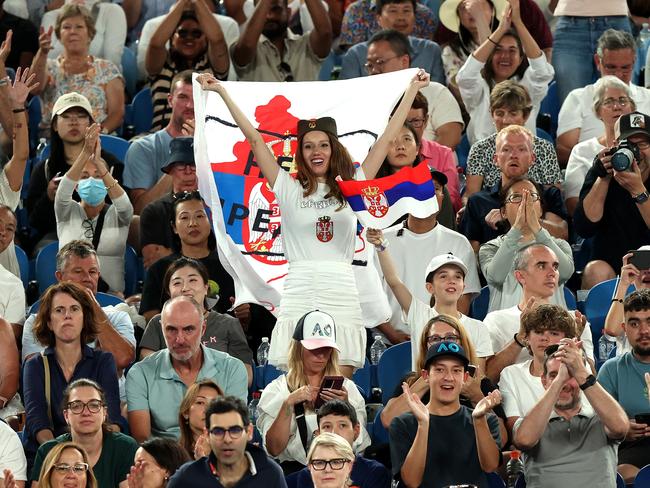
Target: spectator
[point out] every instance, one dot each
(148, 155)
(445, 282)
(106, 226)
(9, 378)
(523, 211)
(445, 442)
(361, 22)
(514, 157)
(156, 235)
(138, 13)
(590, 445)
(623, 378)
(438, 329)
(268, 51)
(76, 70)
(501, 57)
(71, 117)
(630, 276)
(340, 418)
(612, 98)
(191, 417)
(66, 322)
(399, 16)
(184, 362)
(414, 243)
(510, 104)
(85, 411)
(578, 26)
(196, 43)
(235, 458)
(615, 56)
(223, 332)
(12, 299)
(287, 408)
(26, 38)
(613, 207)
(110, 30)
(77, 262)
(390, 51)
(536, 270)
(156, 461)
(325, 469)
(67, 464)
(12, 458)
(521, 383)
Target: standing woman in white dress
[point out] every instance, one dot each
(318, 227)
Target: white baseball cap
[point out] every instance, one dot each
(70, 100)
(441, 260)
(316, 329)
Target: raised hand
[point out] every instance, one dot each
(5, 47)
(516, 11)
(23, 85)
(532, 220)
(418, 409)
(521, 223)
(629, 273)
(91, 140)
(375, 236)
(202, 446)
(188, 128)
(581, 322)
(135, 478)
(570, 353)
(421, 79)
(210, 83)
(493, 217)
(45, 39)
(486, 404)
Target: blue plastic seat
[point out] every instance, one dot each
(129, 70)
(542, 134)
(331, 61)
(106, 299)
(23, 264)
(363, 379)
(46, 266)
(495, 481)
(479, 307)
(131, 271)
(114, 145)
(269, 374)
(379, 433)
(570, 299)
(551, 105)
(393, 365)
(620, 482)
(597, 305)
(142, 107)
(642, 479)
(462, 152)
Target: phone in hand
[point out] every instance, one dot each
(642, 418)
(329, 382)
(640, 259)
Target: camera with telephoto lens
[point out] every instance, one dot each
(622, 157)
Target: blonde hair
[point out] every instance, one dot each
(465, 341)
(296, 377)
(516, 130)
(333, 441)
(44, 478)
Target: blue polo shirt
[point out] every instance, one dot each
(153, 384)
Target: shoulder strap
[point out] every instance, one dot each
(99, 226)
(48, 392)
(299, 410)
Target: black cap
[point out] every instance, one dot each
(446, 348)
(326, 124)
(181, 150)
(630, 124)
(439, 177)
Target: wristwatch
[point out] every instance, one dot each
(590, 381)
(641, 197)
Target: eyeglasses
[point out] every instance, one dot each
(518, 197)
(89, 231)
(189, 33)
(377, 63)
(417, 122)
(235, 432)
(620, 101)
(77, 468)
(285, 69)
(181, 196)
(335, 464)
(436, 339)
(78, 406)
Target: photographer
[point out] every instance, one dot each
(613, 206)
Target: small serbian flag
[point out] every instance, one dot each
(379, 203)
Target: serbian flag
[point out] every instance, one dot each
(379, 203)
(246, 216)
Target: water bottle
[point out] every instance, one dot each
(42, 144)
(644, 34)
(514, 468)
(252, 407)
(606, 344)
(376, 350)
(263, 352)
(462, 180)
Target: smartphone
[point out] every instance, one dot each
(642, 418)
(329, 382)
(640, 259)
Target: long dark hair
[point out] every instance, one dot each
(488, 71)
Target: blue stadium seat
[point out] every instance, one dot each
(570, 299)
(521, 482)
(393, 365)
(129, 70)
(23, 264)
(597, 305)
(292, 480)
(331, 61)
(46, 266)
(270, 373)
(462, 152)
(132, 271)
(551, 106)
(642, 479)
(363, 379)
(495, 481)
(379, 433)
(620, 482)
(34, 116)
(478, 308)
(541, 133)
(142, 111)
(114, 145)
(106, 299)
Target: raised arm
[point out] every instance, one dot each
(320, 38)
(531, 48)
(39, 63)
(263, 155)
(6, 119)
(412, 470)
(488, 450)
(491, 42)
(88, 152)
(157, 50)
(615, 317)
(217, 47)
(244, 49)
(378, 151)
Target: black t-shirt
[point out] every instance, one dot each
(25, 37)
(155, 227)
(452, 455)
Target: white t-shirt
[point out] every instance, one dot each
(412, 253)
(316, 230)
(443, 109)
(580, 161)
(576, 111)
(520, 389)
(12, 454)
(420, 313)
(12, 297)
(504, 324)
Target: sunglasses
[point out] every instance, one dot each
(285, 69)
(189, 33)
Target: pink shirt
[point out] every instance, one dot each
(441, 158)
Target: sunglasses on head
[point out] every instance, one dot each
(181, 196)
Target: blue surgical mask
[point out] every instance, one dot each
(92, 191)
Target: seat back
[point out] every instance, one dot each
(642, 479)
(129, 70)
(131, 271)
(597, 305)
(393, 365)
(114, 145)
(142, 111)
(570, 299)
(495, 481)
(23, 264)
(362, 377)
(478, 308)
(462, 151)
(106, 299)
(551, 105)
(46, 266)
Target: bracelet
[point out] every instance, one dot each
(18, 110)
(619, 300)
(111, 186)
(3, 81)
(102, 176)
(493, 42)
(382, 246)
(523, 346)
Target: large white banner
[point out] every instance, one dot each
(246, 216)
